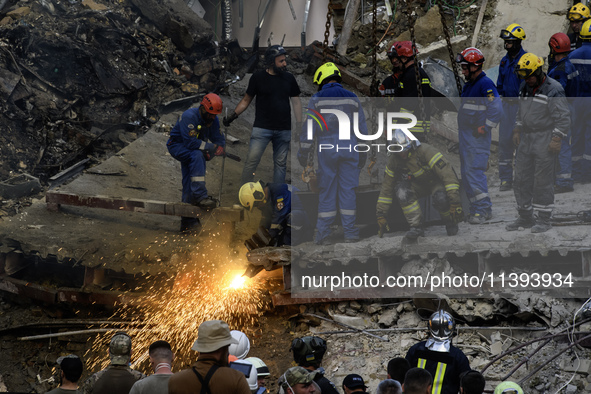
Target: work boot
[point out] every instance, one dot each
(451, 228)
(505, 186)
(558, 189)
(208, 203)
(523, 221)
(479, 218)
(414, 233)
(542, 223)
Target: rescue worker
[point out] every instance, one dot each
(297, 380)
(577, 15)
(508, 89)
(388, 86)
(404, 53)
(479, 113)
(274, 89)
(562, 70)
(508, 387)
(543, 121)
(288, 222)
(161, 358)
(241, 349)
(308, 352)
(194, 140)
(210, 371)
(339, 164)
(438, 356)
(262, 373)
(70, 371)
(118, 377)
(416, 171)
(581, 130)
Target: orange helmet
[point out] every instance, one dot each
(470, 56)
(404, 48)
(212, 103)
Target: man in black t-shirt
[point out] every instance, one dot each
(273, 88)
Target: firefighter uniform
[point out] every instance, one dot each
(188, 143)
(565, 73)
(288, 219)
(389, 85)
(543, 112)
(581, 129)
(508, 88)
(424, 172)
(339, 167)
(480, 107)
(408, 90)
(444, 367)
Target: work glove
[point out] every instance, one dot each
(480, 132)
(209, 151)
(219, 151)
(362, 159)
(383, 223)
(229, 119)
(516, 136)
(554, 145)
(456, 212)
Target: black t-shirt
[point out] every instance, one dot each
(272, 92)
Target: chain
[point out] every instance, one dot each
(327, 31)
(411, 28)
(374, 79)
(454, 65)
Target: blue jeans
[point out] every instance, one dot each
(259, 139)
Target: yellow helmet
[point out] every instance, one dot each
(585, 32)
(250, 193)
(528, 64)
(325, 71)
(578, 12)
(513, 32)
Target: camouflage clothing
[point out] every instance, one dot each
(115, 379)
(424, 172)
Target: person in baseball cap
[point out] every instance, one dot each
(354, 383)
(297, 380)
(120, 349)
(70, 371)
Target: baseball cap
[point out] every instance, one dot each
(213, 335)
(120, 349)
(353, 381)
(295, 375)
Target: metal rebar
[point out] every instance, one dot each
(346, 325)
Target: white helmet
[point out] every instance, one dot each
(402, 139)
(241, 349)
(252, 376)
(262, 369)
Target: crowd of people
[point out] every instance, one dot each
(433, 366)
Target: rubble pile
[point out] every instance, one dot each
(72, 70)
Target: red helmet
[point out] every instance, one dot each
(212, 103)
(392, 51)
(470, 56)
(559, 43)
(405, 48)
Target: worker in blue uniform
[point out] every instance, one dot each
(283, 213)
(563, 71)
(479, 113)
(339, 164)
(581, 130)
(508, 88)
(194, 140)
(437, 355)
